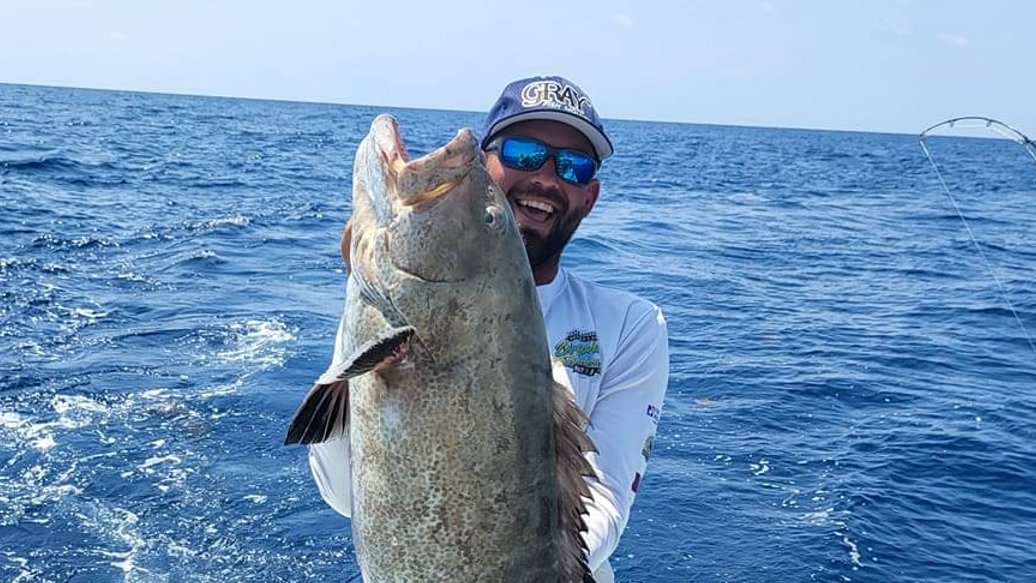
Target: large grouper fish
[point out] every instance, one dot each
(467, 458)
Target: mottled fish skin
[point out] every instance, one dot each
(454, 466)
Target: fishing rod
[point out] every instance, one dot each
(1001, 128)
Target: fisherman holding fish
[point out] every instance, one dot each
(543, 144)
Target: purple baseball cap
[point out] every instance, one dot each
(549, 98)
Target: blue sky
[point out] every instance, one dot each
(878, 65)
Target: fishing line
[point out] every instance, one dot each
(1011, 134)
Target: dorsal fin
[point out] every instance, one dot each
(572, 442)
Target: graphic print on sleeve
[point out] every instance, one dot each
(579, 352)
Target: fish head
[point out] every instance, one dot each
(442, 216)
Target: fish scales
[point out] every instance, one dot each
(453, 416)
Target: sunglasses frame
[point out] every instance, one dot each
(497, 144)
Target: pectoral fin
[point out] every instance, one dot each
(572, 441)
(325, 409)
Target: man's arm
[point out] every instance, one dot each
(329, 461)
(623, 423)
(330, 464)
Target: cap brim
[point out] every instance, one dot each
(602, 146)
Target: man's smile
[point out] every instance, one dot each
(535, 212)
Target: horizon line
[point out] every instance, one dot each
(455, 110)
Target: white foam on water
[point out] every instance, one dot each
(44, 443)
(178, 550)
(234, 221)
(156, 460)
(120, 526)
(760, 468)
(52, 493)
(31, 346)
(130, 276)
(91, 314)
(39, 481)
(854, 550)
(168, 469)
(74, 412)
(817, 517)
(31, 489)
(48, 436)
(258, 342)
(222, 390)
(25, 573)
(156, 393)
(71, 403)
(11, 420)
(38, 435)
(790, 500)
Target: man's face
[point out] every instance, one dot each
(548, 209)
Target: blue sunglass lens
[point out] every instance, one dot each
(523, 154)
(575, 167)
(570, 165)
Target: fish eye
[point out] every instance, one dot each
(493, 217)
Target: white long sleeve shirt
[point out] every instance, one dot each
(610, 348)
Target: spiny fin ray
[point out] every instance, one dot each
(571, 442)
(324, 411)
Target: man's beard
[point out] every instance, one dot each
(544, 248)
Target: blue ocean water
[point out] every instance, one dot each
(850, 398)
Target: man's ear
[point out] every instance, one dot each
(593, 190)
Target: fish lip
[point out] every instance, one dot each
(388, 142)
(426, 178)
(436, 193)
(458, 152)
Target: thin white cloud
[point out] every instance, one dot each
(896, 27)
(955, 40)
(767, 6)
(120, 36)
(624, 20)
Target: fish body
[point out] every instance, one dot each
(466, 456)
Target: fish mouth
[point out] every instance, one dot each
(429, 177)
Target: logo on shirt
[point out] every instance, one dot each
(579, 352)
(653, 413)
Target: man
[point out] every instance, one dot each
(544, 143)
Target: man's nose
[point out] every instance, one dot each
(547, 175)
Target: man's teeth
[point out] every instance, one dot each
(542, 206)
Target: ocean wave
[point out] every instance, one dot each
(10, 264)
(13, 157)
(54, 163)
(52, 241)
